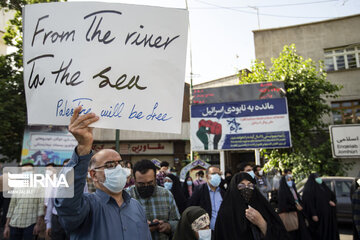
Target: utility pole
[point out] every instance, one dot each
(191, 73)
(257, 12)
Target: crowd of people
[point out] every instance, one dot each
(115, 200)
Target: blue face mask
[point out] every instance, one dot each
(168, 185)
(189, 183)
(290, 183)
(115, 179)
(215, 180)
(251, 173)
(318, 180)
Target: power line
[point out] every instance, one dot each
(263, 14)
(273, 6)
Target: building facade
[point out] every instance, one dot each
(5, 16)
(336, 42)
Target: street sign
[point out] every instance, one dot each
(345, 140)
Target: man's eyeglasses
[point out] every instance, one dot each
(243, 186)
(112, 164)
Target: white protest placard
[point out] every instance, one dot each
(125, 63)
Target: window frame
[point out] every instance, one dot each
(354, 106)
(335, 52)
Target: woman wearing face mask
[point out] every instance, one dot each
(228, 176)
(320, 206)
(193, 225)
(246, 214)
(290, 206)
(188, 187)
(172, 183)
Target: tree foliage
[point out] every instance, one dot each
(306, 91)
(12, 95)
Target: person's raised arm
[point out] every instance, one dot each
(73, 211)
(79, 128)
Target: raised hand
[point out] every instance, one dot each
(79, 128)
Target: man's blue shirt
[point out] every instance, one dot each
(216, 200)
(97, 215)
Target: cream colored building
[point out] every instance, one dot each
(220, 82)
(4, 18)
(337, 43)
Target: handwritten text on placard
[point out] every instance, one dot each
(126, 63)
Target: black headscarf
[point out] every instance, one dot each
(231, 222)
(286, 203)
(183, 229)
(286, 200)
(316, 199)
(177, 192)
(185, 187)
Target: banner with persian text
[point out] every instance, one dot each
(43, 145)
(240, 125)
(125, 63)
(236, 93)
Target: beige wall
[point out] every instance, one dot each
(221, 82)
(4, 18)
(355, 169)
(2, 44)
(311, 40)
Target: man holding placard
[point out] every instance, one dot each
(110, 212)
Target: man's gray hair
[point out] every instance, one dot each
(92, 162)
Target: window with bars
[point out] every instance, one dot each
(342, 58)
(346, 112)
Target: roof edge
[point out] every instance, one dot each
(305, 24)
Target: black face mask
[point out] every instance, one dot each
(246, 194)
(146, 191)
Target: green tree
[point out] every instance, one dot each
(12, 94)
(306, 91)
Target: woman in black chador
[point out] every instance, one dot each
(177, 192)
(288, 202)
(320, 206)
(246, 214)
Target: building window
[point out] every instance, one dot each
(342, 58)
(347, 112)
